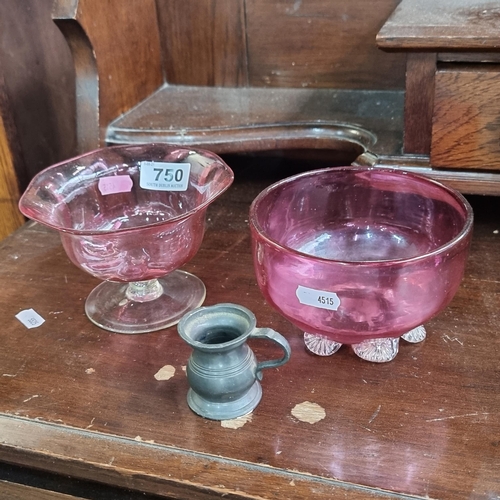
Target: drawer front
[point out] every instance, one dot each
(466, 118)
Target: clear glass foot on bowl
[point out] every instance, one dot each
(320, 345)
(377, 350)
(144, 306)
(374, 350)
(416, 335)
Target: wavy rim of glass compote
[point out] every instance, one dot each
(121, 306)
(177, 218)
(464, 232)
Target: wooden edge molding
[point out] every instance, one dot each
(117, 59)
(467, 182)
(87, 84)
(15, 491)
(159, 469)
(314, 135)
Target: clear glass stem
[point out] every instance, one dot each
(377, 350)
(320, 345)
(144, 291)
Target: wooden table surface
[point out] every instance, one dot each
(80, 401)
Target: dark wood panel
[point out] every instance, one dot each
(419, 98)
(442, 25)
(117, 59)
(37, 67)
(317, 43)
(78, 400)
(204, 41)
(466, 122)
(469, 57)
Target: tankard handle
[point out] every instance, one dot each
(277, 338)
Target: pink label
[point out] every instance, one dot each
(115, 184)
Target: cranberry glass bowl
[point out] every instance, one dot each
(131, 216)
(359, 256)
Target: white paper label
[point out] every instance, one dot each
(163, 176)
(30, 318)
(317, 298)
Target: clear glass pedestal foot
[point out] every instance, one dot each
(320, 345)
(377, 350)
(416, 335)
(144, 306)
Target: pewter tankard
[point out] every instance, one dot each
(222, 371)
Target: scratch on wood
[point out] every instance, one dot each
(451, 417)
(375, 414)
(296, 7)
(224, 253)
(452, 339)
(15, 374)
(31, 397)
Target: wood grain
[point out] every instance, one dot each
(37, 68)
(466, 121)
(228, 120)
(10, 158)
(117, 59)
(81, 401)
(204, 42)
(466, 181)
(13, 491)
(419, 99)
(442, 25)
(236, 43)
(319, 43)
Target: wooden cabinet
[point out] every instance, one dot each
(452, 98)
(201, 72)
(466, 117)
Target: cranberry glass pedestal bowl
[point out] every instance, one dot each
(359, 256)
(131, 216)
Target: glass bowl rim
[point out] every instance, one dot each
(462, 235)
(84, 232)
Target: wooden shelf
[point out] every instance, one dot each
(77, 400)
(229, 120)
